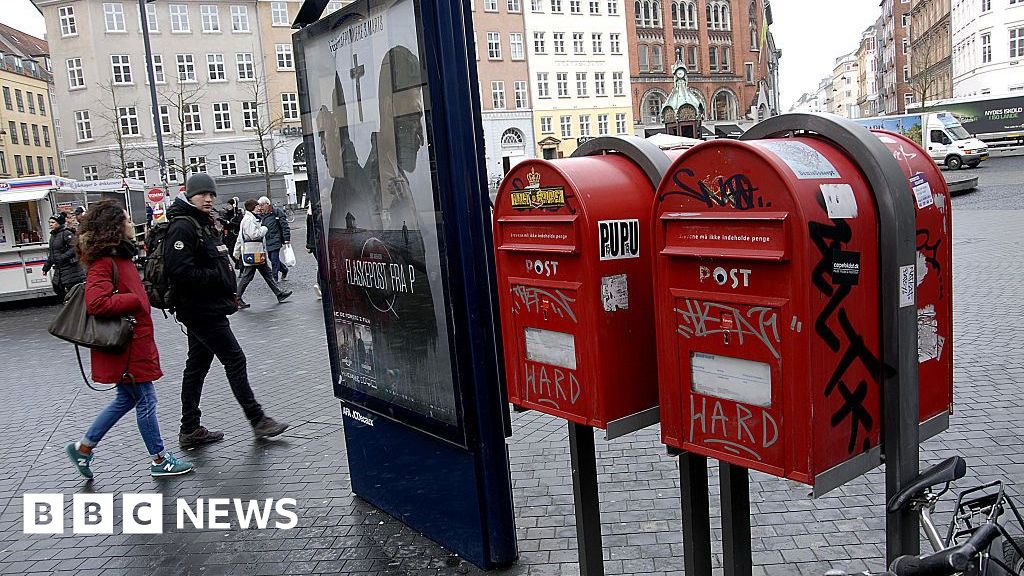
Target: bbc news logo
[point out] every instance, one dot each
(144, 514)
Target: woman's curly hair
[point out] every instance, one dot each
(100, 230)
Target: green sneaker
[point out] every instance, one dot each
(81, 461)
(171, 466)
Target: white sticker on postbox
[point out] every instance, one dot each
(908, 285)
(805, 162)
(839, 200)
(615, 292)
(922, 191)
(619, 239)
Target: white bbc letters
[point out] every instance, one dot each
(142, 513)
(93, 514)
(43, 514)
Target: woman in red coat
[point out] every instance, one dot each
(105, 242)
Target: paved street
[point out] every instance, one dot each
(43, 405)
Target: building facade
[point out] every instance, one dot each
(28, 140)
(846, 86)
(224, 83)
(893, 57)
(579, 72)
(867, 69)
(931, 73)
(500, 34)
(728, 50)
(988, 47)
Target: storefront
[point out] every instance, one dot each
(25, 206)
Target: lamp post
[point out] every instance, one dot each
(157, 128)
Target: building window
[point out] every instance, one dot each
(172, 170)
(186, 68)
(30, 165)
(498, 95)
(618, 89)
(12, 129)
(542, 85)
(90, 173)
(515, 45)
(906, 46)
(24, 133)
(657, 65)
(128, 120)
(556, 6)
(1016, 42)
(753, 41)
(908, 99)
(559, 42)
(491, 5)
(120, 65)
(599, 84)
(83, 123)
(290, 107)
(581, 84)
(726, 61)
(239, 18)
(215, 67)
(17, 165)
(718, 15)
(76, 76)
(31, 98)
(748, 72)
(613, 7)
(179, 18)
(906, 20)
(279, 13)
(221, 117)
(585, 125)
(596, 43)
(256, 163)
(158, 69)
(19, 99)
(906, 76)
(250, 116)
(620, 123)
(46, 136)
(49, 164)
(521, 98)
(246, 66)
(565, 125)
(577, 43)
(165, 120)
(7, 98)
(691, 59)
(135, 169)
(68, 27)
(211, 18)
(493, 46)
(514, 6)
(615, 44)
(35, 134)
(538, 43)
(986, 47)
(602, 124)
(152, 24)
(227, 165)
(192, 118)
(713, 58)
(545, 124)
(284, 57)
(986, 5)
(197, 164)
(113, 17)
(536, 6)
(562, 84)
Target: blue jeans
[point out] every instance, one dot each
(276, 266)
(142, 397)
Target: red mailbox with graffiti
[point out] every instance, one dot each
(934, 280)
(767, 308)
(572, 240)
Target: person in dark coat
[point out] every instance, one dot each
(106, 242)
(230, 220)
(278, 234)
(62, 258)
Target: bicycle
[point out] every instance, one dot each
(289, 212)
(977, 542)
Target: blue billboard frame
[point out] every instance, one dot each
(449, 482)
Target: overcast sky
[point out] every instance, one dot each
(811, 34)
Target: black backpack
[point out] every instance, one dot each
(155, 280)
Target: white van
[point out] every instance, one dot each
(940, 133)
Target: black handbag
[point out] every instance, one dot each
(75, 325)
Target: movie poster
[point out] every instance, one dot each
(369, 113)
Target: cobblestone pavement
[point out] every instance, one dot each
(43, 405)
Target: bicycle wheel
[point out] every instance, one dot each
(289, 215)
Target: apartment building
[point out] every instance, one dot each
(579, 72)
(728, 50)
(931, 74)
(846, 86)
(867, 68)
(893, 56)
(501, 58)
(28, 141)
(988, 47)
(223, 80)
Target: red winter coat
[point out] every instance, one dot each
(131, 300)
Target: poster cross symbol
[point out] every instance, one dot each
(356, 73)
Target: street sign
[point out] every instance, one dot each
(155, 194)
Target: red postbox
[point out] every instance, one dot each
(767, 300)
(572, 240)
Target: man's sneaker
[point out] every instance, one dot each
(316, 290)
(267, 427)
(198, 437)
(283, 296)
(81, 461)
(171, 466)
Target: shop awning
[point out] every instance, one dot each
(23, 195)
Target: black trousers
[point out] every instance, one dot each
(209, 337)
(249, 272)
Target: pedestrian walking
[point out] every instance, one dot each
(106, 242)
(278, 235)
(200, 270)
(61, 257)
(311, 244)
(231, 221)
(251, 250)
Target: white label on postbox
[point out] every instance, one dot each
(908, 285)
(806, 162)
(619, 239)
(922, 191)
(550, 347)
(839, 200)
(615, 292)
(734, 379)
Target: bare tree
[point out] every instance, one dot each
(183, 115)
(927, 52)
(116, 121)
(262, 122)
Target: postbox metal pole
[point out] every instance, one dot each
(735, 496)
(588, 507)
(696, 508)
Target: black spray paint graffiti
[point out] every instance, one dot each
(736, 191)
(931, 256)
(828, 238)
(540, 300)
(760, 322)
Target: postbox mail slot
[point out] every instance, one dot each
(552, 234)
(755, 236)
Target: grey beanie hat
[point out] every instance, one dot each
(198, 183)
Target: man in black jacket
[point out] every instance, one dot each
(203, 282)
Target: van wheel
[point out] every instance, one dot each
(954, 163)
